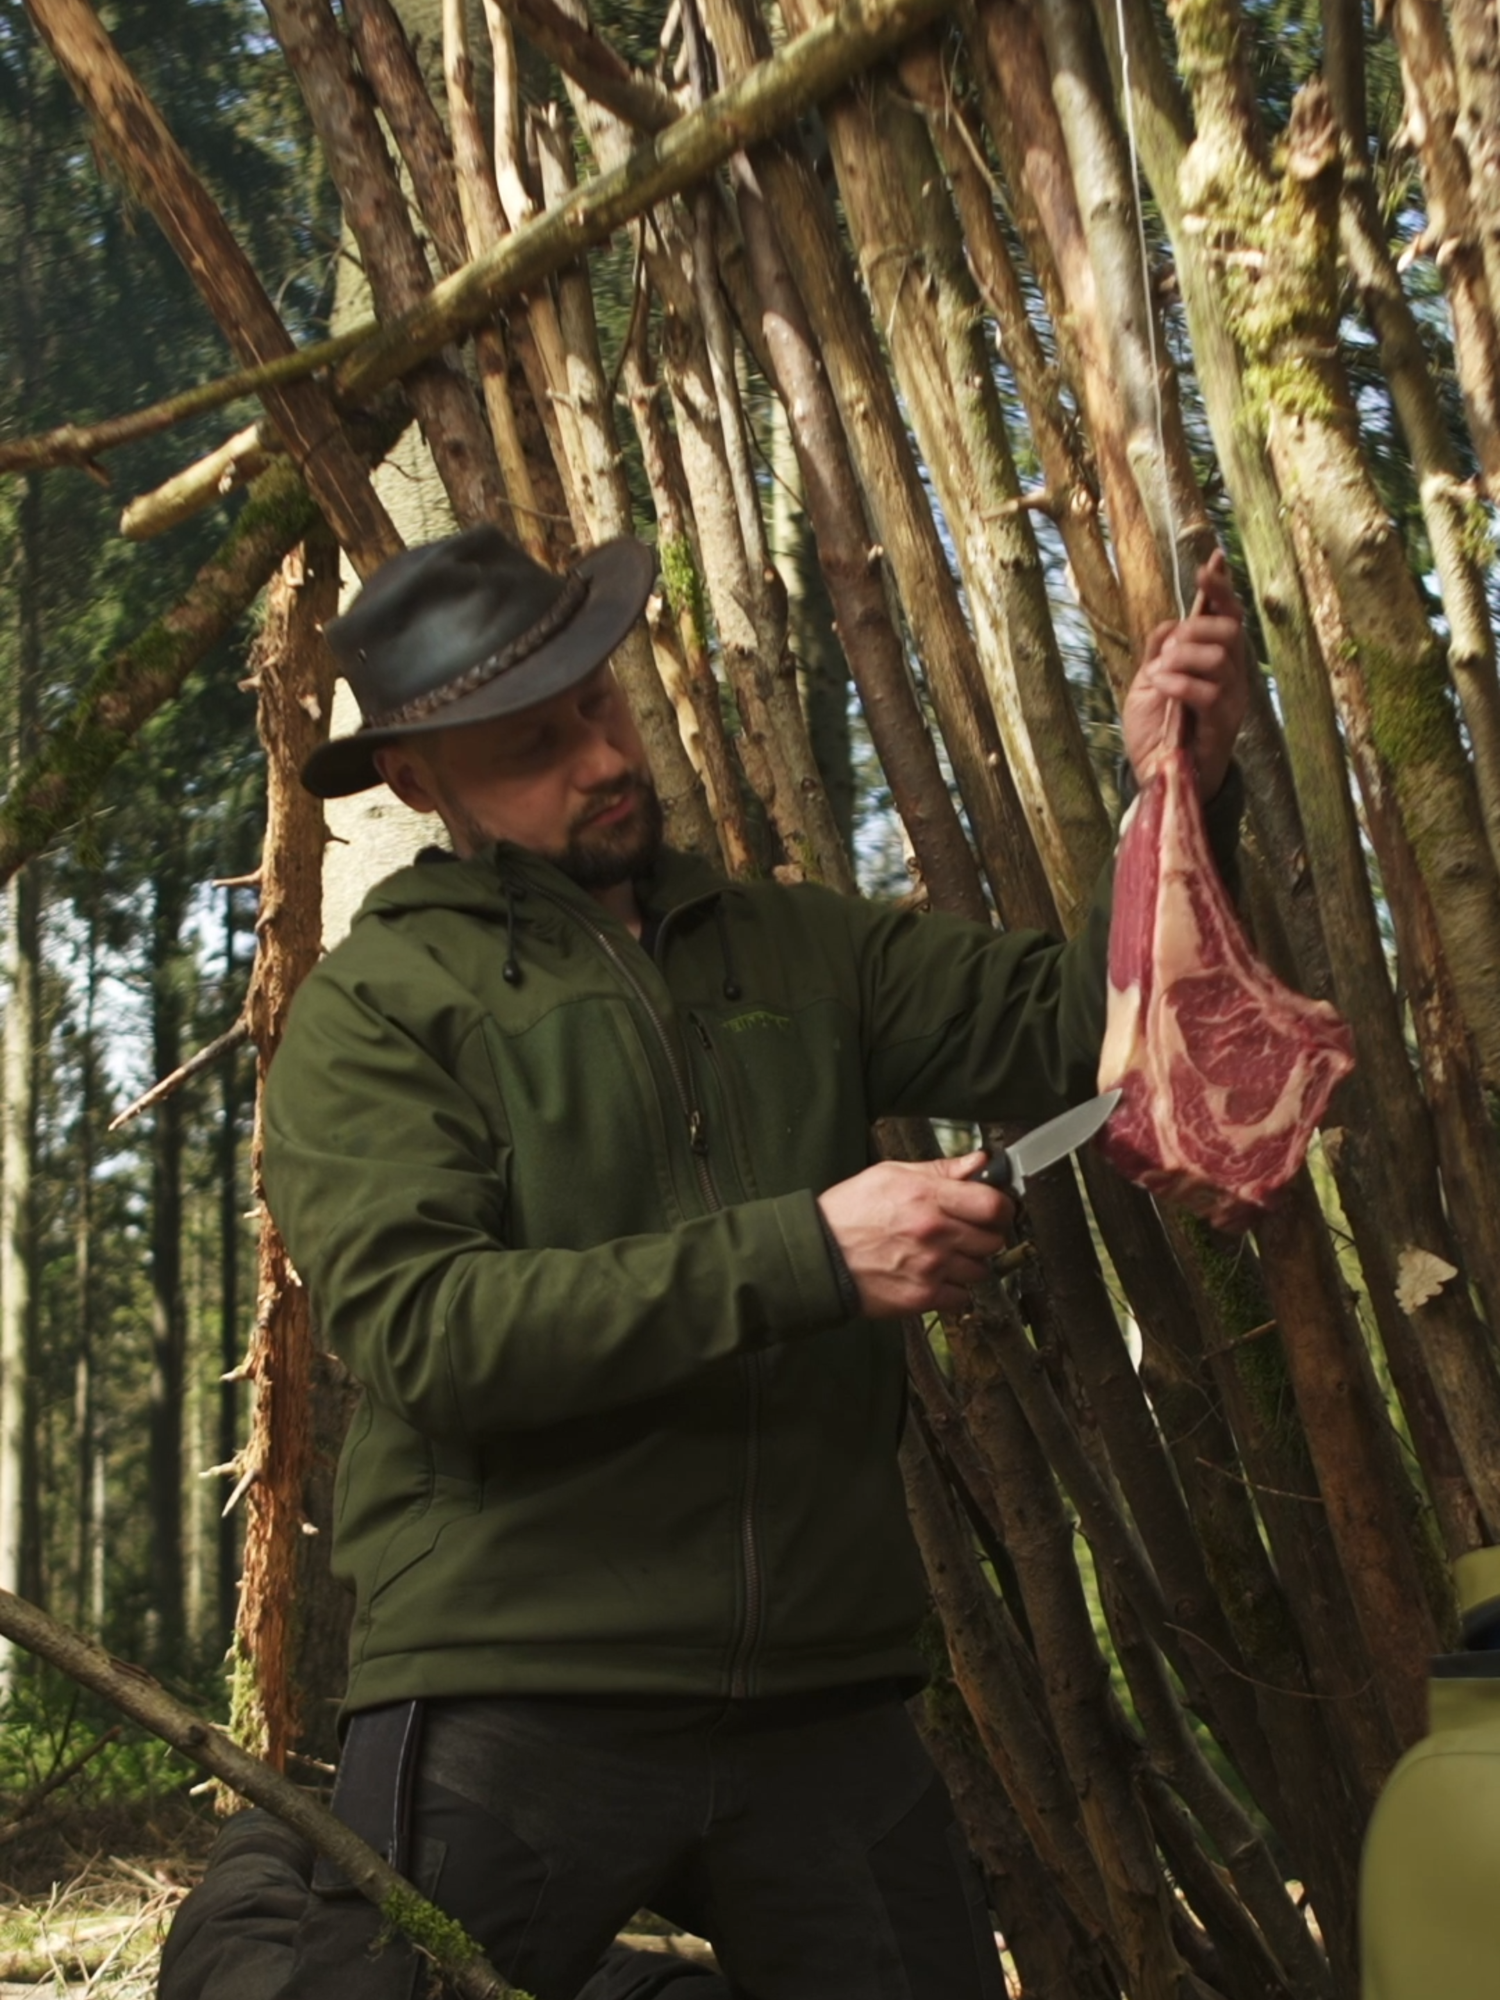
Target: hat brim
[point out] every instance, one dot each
(619, 575)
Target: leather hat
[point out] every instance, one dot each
(469, 628)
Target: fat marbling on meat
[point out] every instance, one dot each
(1225, 1071)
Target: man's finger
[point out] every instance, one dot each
(967, 1272)
(978, 1245)
(965, 1200)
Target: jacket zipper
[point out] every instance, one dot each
(739, 1665)
(692, 1116)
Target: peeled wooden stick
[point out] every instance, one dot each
(234, 463)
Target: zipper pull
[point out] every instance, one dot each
(697, 1138)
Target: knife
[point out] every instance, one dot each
(1011, 1167)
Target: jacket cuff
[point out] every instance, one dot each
(843, 1277)
(811, 1251)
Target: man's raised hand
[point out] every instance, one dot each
(917, 1235)
(1203, 662)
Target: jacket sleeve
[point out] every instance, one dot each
(966, 1023)
(380, 1170)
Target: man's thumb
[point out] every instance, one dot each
(963, 1166)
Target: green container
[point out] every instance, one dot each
(1429, 1901)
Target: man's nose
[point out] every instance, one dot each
(600, 760)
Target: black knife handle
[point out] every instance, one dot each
(996, 1172)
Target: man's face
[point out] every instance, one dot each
(567, 779)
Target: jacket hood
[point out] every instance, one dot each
(496, 884)
(440, 880)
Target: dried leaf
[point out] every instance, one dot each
(1420, 1276)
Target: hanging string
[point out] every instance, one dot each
(1140, 226)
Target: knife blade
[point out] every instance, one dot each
(1011, 1167)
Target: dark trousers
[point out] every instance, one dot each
(809, 1839)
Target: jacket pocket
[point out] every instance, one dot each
(452, 1487)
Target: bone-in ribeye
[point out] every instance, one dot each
(1225, 1071)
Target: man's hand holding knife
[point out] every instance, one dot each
(919, 1236)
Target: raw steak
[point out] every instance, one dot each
(1225, 1071)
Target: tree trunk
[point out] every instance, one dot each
(87, 1538)
(1453, 236)
(1156, 446)
(231, 1334)
(22, 1031)
(1391, 1211)
(1015, 91)
(907, 535)
(1074, 1674)
(1457, 527)
(284, 1605)
(1476, 61)
(1283, 305)
(168, 1307)
(822, 670)
(599, 477)
(395, 269)
(1069, 496)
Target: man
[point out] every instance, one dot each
(570, 1143)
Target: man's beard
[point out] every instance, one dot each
(602, 857)
(595, 857)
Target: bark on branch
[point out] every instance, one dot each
(599, 70)
(82, 445)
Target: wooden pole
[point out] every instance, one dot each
(294, 676)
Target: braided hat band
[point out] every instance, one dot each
(422, 706)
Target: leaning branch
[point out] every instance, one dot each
(52, 789)
(83, 445)
(444, 1941)
(206, 1057)
(766, 98)
(594, 64)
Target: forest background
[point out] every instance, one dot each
(930, 401)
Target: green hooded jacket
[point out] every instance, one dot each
(620, 1433)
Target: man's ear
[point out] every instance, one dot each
(406, 775)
